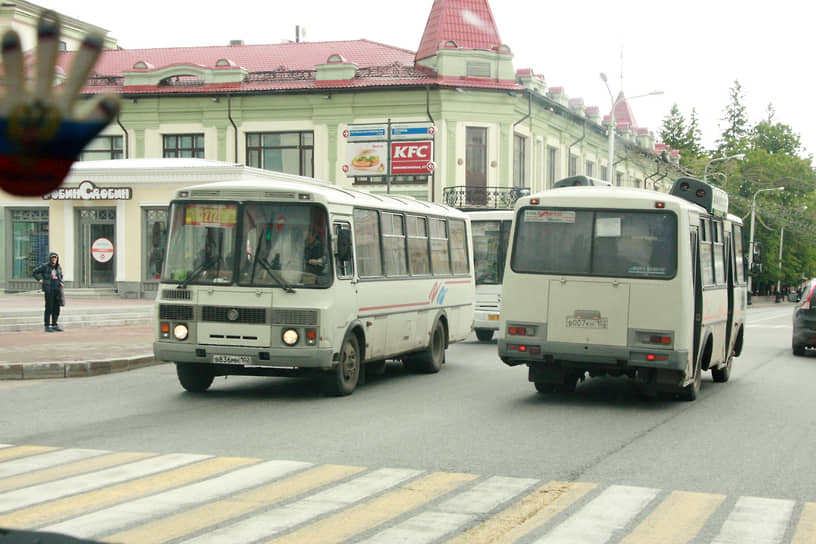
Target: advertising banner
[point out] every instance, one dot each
(366, 159)
(409, 158)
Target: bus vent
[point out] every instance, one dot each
(176, 294)
(231, 314)
(280, 195)
(175, 312)
(294, 317)
(243, 195)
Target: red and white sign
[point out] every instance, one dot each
(102, 250)
(411, 158)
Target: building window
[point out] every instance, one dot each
(590, 169)
(103, 148)
(29, 238)
(604, 173)
(552, 166)
(289, 152)
(155, 237)
(183, 146)
(619, 178)
(519, 145)
(573, 165)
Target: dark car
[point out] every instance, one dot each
(804, 320)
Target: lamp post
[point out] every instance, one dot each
(751, 242)
(613, 126)
(738, 156)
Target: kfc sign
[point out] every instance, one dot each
(411, 158)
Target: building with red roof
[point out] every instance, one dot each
(296, 107)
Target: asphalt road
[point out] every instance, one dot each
(754, 435)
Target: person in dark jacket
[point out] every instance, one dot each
(50, 277)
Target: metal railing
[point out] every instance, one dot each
(465, 197)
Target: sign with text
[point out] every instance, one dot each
(88, 191)
(211, 215)
(366, 159)
(410, 158)
(102, 250)
(412, 131)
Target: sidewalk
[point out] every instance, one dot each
(101, 335)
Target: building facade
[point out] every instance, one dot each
(453, 121)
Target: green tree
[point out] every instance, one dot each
(776, 138)
(736, 136)
(674, 131)
(694, 136)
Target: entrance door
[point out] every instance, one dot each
(476, 166)
(96, 255)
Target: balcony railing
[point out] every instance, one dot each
(465, 197)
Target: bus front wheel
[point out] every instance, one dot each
(343, 379)
(195, 377)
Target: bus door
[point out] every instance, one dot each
(343, 309)
(698, 292)
(730, 263)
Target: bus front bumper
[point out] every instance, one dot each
(266, 357)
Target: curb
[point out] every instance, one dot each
(74, 369)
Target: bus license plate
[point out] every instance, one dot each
(575, 323)
(232, 359)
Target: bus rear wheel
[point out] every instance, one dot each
(430, 360)
(342, 381)
(195, 377)
(484, 335)
(689, 393)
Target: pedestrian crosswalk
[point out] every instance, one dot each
(139, 497)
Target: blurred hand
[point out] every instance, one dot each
(42, 131)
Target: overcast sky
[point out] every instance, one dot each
(693, 50)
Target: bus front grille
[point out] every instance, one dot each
(176, 294)
(294, 317)
(231, 314)
(175, 312)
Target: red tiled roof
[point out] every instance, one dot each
(468, 23)
(279, 67)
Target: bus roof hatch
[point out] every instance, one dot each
(713, 199)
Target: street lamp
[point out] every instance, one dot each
(738, 156)
(613, 126)
(751, 243)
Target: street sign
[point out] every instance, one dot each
(412, 131)
(102, 250)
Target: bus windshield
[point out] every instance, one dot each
(490, 239)
(635, 244)
(278, 245)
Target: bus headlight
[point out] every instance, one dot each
(180, 331)
(290, 337)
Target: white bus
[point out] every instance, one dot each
(491, 235)
(613, 281)
(286, 276)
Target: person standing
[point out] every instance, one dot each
(50, 277)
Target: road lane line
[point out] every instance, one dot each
(199, 518)
(361, 517)
(70, 469)
(602, 517)
(454, 513)
(756, 520)
(12, 452)
(74, 505)
(676, 520)
(49, 491)
(529, 513)
(278, 520)
(46, 460)
(806, 528)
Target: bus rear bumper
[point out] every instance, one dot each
(600, 358)
(291, 359)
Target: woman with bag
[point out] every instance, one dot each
(50, 277)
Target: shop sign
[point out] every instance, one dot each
(88, 191)
(102, 250)
(411, 158)
(366, 159)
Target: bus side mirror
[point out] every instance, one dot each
(343, 245)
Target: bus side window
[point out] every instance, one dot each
(344, 255)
